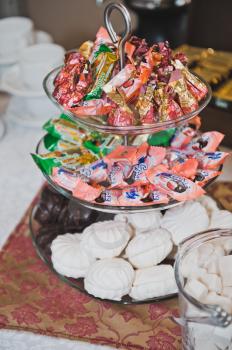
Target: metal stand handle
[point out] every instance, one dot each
(114, 37)
(126, 34)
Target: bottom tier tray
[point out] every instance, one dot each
(42, 236)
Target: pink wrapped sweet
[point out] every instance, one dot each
(86, 192)
(123, 153)
(207, 142)
(203, 176)
(120, 117)
(175, 186)
(95, 172)
(210, 160)
(109, 197)
(131, 196)
(64, 178)
(186, 169)
(182, 137)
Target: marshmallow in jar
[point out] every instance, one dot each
(203, 272)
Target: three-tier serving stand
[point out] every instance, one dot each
(99, 123)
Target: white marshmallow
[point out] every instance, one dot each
(227, 244)
(205, 251)
(149, 248)
(106, 239)
(153, 282)
(68, 258)
(189, 263)
(225, 268)
(221, 219)
(211, 263)
(227, 292)
(212, 281)
(196, 289)
(109, 278)
(208, 203)
(185, 220)
(198, 273)
(214, 299)
(145, 221)
(212, 266)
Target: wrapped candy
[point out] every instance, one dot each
(109, 197)
(207, 142)
(145, 106)
(168, 108)
(210, 160)
(186, 169)
(197, 88)
(177, 187)
(121, 117)
(123, 153)
(131, 196)
(182, 137)
(52, 143)
(162, 138)
(131, 88)
(73, 81)
(64, 178)
(86, 192)
(156, 197)
(93, 107)
(119, 79)
(95, 172)
(86, 48)
(103, 65)
(70, 159)
(203, 176)
(187, 101)
(63, 128)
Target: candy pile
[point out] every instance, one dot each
(155, 85)
(145, 175)
(132, 253)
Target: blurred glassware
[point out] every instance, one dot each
(25, 77)
(203, 324)
(16, 33)
(39, 37)
(30, 112)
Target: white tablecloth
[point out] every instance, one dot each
(19, 181)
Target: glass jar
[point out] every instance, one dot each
(203, 326)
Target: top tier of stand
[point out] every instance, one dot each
(99, 122)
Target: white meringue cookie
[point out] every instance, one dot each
(221, 219)
(153, 282)
(145, 221)
(121, 217)
(109, 278)
(185, 220)
(149, 248)
(106, 239)
(68, 258)
(208, 203)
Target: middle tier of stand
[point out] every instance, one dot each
(40, 149)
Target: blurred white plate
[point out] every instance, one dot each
(20, 111)
(11, 82)
(40, 37)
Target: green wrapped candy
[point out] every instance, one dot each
(162, 138)
(103, 65)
